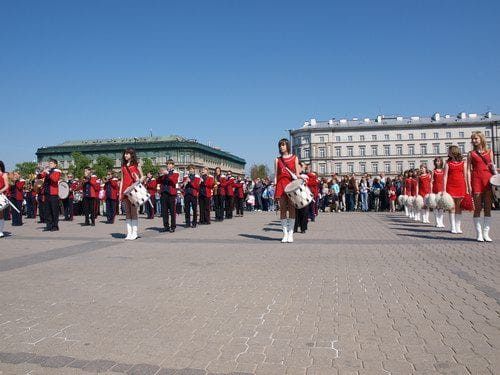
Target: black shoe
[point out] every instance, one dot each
(55, 229)
(85, 224)
(303, 231)
(188, 225)
(163, 230)
(172, 230)
(193, 225)
(92, 225)
(47, 229)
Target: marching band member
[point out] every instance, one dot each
(42, 211)
(168, 180)
(437, 187)
(30, 200)
(90, 188)
(191, 185)
(219, 194)
(4, 185)
(424, 188)
(151, 185)
(284, 166)
(313, 184)
(68, 202)
(111, 188)
(206, 186)
(301, 214)
(239, 196)
(17, 198)
(455, 183)
(229, 195)
(131, 172)
(51, 177)
(481, 168)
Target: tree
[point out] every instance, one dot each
(80, 161)
(26, 168)
(259, 171)
(148, 166)
(102, 165)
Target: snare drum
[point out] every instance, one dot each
(495, 185)
(137, 194)
(4, 202)
(63, 190)
(299, 193)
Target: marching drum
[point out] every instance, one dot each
(495, 185)
(299, 193)
(63, 189)
(4, 202)
(137, 194)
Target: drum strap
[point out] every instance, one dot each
(294, 176)
(130, 174)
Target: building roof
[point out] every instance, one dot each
(397, 121)
(125, 141)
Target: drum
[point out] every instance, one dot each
(299, 193)
(63, 189)
(4, 202)
(495, 185)
(137, 194)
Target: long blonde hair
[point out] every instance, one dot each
(481, 136)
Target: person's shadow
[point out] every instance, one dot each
(257, 237)
(118, 235)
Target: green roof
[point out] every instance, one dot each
(126, 141)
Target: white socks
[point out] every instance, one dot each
(284, 226)
(291, 224)
(2, 224)
(439, 218)
(452, 222)
(425, 218)
(458, 223)
(486, 228)
(479, 230)
(135, 223)
(129, 229)
(417, 216)
(406, 211)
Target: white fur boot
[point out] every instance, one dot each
(427, 213)
(458, 222)
(486, 229)
(2, 224)
(284, 226)
(291, 224)
(129, 229)
(406, 211)
(417, 215)
(411, 213)
(134, 235)
(452, 222)
(479, 230)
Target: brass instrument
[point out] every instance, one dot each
(37, 186)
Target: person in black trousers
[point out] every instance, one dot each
(51, 177)
(168, 181)
(219, 194)
(191, 186)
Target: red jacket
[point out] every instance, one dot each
(191, 184)
(230, 186)
(168, 182)
(239, 189)
(206, 185)
(91, 187)
(51, 183)
(111, 187)
(151, 187)
(18, 188)
(221, 189)
(313, 184)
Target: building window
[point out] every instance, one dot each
(374, 137)
(387, 167)
(436, 135)
(435, 148)
(350, 168)
(322, 139)
(374, 167)
(337, 138)
(386, 137)
(448, 134)
(399, 167)
(461, 146)
(423, 149)
(338, 168)
(423, 136)
(362, 167)
(322, 152)
(349, 138)
(374, 150)
(411, 164)
(448, 145)
(306, 153)
(362, 137)
(410, 136)
(487, 133)
(387, 150)
(399, 150)
(488, 145)
(338, 151)
(411, 149)
(461, 134)
(322, 169)
(362, 151)
(349, 151)
(398, 137)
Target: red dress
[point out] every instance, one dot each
(437, 181)
(424, 185)
(409, 186)
(392, 194)
(283, 177)
(128, 178)
(481, 174)
(2, 182)
(455, 185)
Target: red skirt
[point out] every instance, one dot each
(280, 187)
(480, 181)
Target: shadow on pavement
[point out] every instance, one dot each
(465, 239)
(118, 235)
(256, 237)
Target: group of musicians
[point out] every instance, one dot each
(200, 192)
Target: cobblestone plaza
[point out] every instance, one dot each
(357, 294)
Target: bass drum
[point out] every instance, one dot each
(63, 190)
(495, 185)
(299, 193)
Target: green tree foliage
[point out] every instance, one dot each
(80, 161)
(102, 165)
(26, 168)
(259, 171)
(148, 166)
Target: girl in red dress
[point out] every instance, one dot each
(481, 167)
(283, 165)
(414, 213)
(438, 187)
(4, 185)
(456, 185)
(423, 188)
(131, 172)
(407, 191)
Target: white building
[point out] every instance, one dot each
(389, 144)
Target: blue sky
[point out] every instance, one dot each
(235, 73)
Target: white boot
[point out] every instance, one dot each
(417, 216)
(458, 223)
(406, 211)
(411, 214)
(479, 230)
(284, 226)
(135, 223)
(427, 213)
(486, 229)
(129, 229)
(2, 224)
(291, 224)
(452, 222)
(440, 217)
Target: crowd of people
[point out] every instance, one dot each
(197, 196)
